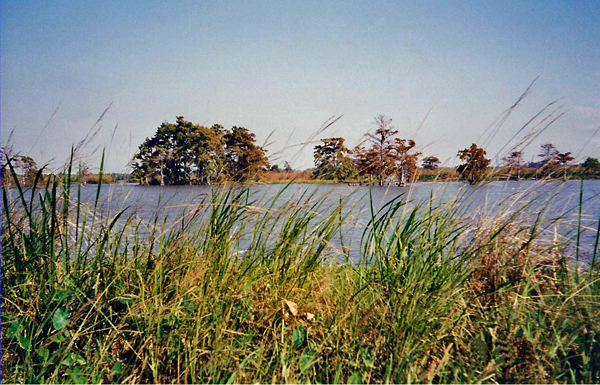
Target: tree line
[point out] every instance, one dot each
(187, 153)
(381, 156)
(384, 157)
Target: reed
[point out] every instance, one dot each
(243, 291)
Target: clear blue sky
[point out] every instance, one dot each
(288, 66)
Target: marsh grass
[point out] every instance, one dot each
(272, 177)
(240, 291)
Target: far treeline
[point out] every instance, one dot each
(27, 173)
(188, 153)
(184, 153)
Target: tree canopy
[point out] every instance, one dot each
(591, 164)
(388, 155)
(553, 160)
(475, 163)
(244, 159)
(431, 163)
(188, 153)
(332, 160)
(514, 163)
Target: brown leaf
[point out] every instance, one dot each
(292, 307)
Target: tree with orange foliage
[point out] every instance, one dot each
(387, 155)
(475, 163)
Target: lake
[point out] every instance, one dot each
(559, 201)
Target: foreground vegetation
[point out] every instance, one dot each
(241, 292)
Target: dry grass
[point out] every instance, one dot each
(440, 174)
(286, 177)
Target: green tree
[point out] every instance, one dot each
(332, 161)
(591, 167)
(187, 153)
(245, 160)
(475, 163)
(208, 151)
(591, 164)
(166, 157)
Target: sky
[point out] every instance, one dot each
(444, 71)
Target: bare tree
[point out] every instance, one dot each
(514, 163)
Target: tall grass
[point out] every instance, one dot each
(243, 291)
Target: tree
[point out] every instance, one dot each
(549, 159)
(430, 163)
(6, 156)
(564, 160)
(514, 163)
(364, 159)
(387, 155)
(553, 160)
(186, 153)
(591, 164)
(24, 166)
(287, 167)
(548, 153)
(332, 161)
(166, 158)
(29, 169)
(379, 161)
(244, 159)
(208, 151)
(406, 162)
(475, 163)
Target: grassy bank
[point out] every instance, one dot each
(442, 174)
(438, 297)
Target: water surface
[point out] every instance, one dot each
(557, 201)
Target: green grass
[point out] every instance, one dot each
(89, 296)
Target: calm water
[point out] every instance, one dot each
(559, 200)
